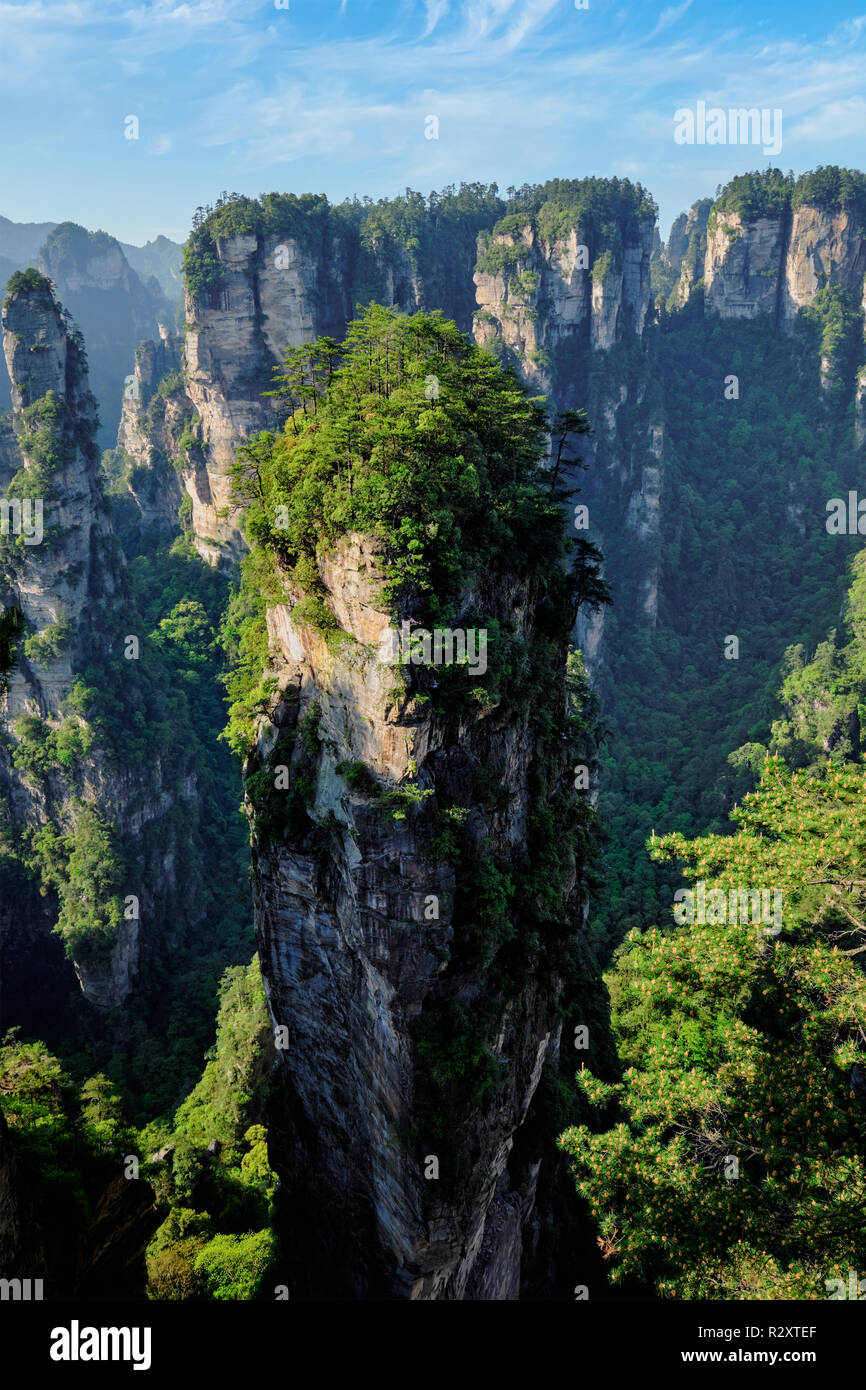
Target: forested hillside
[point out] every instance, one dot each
(731, 1162)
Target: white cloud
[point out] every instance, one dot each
(823, 126)
(849, 31)
(534, 13)
(485, 15)
(436, 10)
(670, 16)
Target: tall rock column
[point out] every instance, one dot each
(420, 846)
(90, 838)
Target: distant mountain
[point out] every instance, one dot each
(117, 293)
(20, 241)
(111, 304)
(161, 258)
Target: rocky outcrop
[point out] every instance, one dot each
(744, 265)
(774, 265)
(825, 249)
(157, 430)
(355, 927)
(538, 296)
(63, 584)
(644, 520)
(685, 251)
(273, 294)
(67, 566)
(567, 312)
(261, 292)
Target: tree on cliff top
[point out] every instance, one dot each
(411, 435)
(417, 438)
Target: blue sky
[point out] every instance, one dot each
(332, 96)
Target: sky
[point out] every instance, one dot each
(336, 96)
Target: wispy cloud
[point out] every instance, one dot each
(533, 13)
(333, 96)
(670, 16)
(435, 10)
(849, 31)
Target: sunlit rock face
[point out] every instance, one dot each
(354, 920)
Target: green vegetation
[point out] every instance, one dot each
(734, 539)
(770, 193)
(443, 481)
(734, 1043)
(274, 214)
(41, 749)
(731, 1161)
(418, 240)
(597, 206)
(70, 246)
(451, 481)
(207, 1170)
(89, 876)
(440, 481)
(68, 1141)
(244, 636)
(424, 247)
(11, 628)
(48, 644)
(733, 1164)
(157, 716)
(29, 281)
(602, 212)
(423, 240)
(216, 1183)
(764, 193)
(824, 699)
(833, 189)
(838, 315)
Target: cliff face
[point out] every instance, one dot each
(570, 311)
(824, 249)
(72, 569)
(565, 328)
(63, 586)
(350, 959)
(274, 294)
(355, 930)
(270, 291)
(561, 294)
(684, 253)
(156, 429)
(743, 265)
(777, 265)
